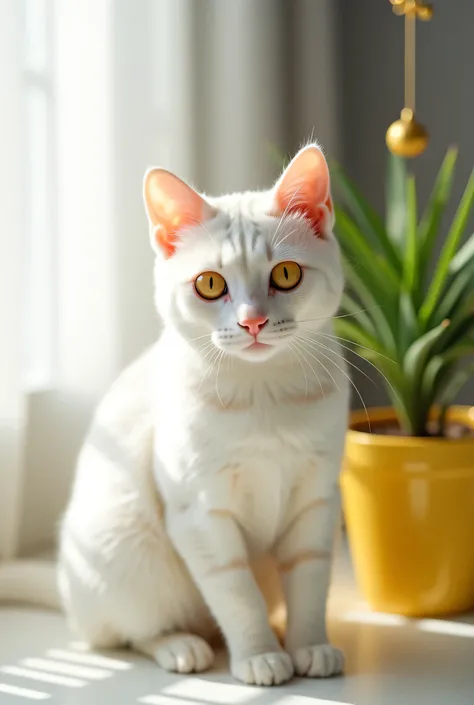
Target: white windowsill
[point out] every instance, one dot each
(389, 661)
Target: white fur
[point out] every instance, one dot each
(205, 455)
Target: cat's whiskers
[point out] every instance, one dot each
(209, 352)
(315, 374)
(201, 224)
(211, 365)
(222, 355)
(206, 342)
(300, 344)
(295, 352)
(342, 357)
(342, 315)
(206, 348)
(284, 214)
(343, 372)
(346, 347)
(347, 340)
(200, 337)
(287, 235)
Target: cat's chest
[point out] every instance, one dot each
(272, 442)
(270, 428)
(258, 489)
(257, 464)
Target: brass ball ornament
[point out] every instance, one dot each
(406, 137)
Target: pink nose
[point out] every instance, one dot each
(254, 325)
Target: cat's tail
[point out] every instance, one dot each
(31, 582)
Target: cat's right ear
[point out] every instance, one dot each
(171, 206)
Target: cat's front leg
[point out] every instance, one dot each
(304, 552)
(213, 548)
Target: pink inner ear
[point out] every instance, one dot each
(172, 205)
(304, 189)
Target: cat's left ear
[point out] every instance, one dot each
(172, 206)
(304, 188)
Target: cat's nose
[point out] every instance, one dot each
(254, 325)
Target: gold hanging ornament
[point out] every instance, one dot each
(406, 137)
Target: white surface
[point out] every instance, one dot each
(390, 661)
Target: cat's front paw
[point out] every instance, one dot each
(272, 668)
(183, 653)
(319, 661)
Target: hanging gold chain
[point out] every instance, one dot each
(420, 9)
(410, 57)
(413, 10)
(407, 137)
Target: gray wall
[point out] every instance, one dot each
(371, 84)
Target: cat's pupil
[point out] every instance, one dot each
(285, 272)
(211, 282)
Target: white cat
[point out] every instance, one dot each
(223, 443)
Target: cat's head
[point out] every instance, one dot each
(247, 272)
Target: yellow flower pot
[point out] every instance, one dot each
(409, 510)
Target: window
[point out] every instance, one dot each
(39, 333)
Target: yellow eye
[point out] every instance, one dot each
(210, 285)
(286, 276)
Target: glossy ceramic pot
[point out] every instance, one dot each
(409, 511)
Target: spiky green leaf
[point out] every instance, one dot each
(356, 334)
(431, 219)
(455, 384)
(449, 250)
(396, 201)
(367, 219)
(464, 257)
(427, 334)
(410, 266)
(456, 293)
(419, 351)
(351, 307)
(408, 329)
(371, 264)
(380, 310)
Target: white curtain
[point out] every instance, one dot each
(207, 88)
(12, 257)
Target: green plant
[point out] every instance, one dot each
(409, 312)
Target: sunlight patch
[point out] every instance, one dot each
(42, 676)
(23, 692)
(210, 692)
(439, 626)
(379, 618)
(90, 659)
(67, 669)
(164, 700)
(303, 700)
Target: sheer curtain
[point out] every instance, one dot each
(208, 88)
(12, 270)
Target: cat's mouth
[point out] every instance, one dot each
(258, 346)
